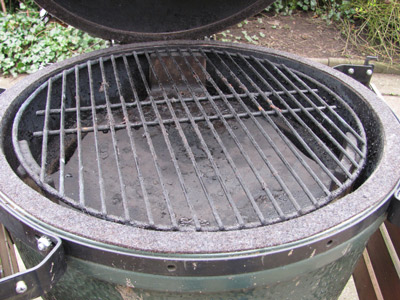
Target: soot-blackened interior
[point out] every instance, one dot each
(189, 139)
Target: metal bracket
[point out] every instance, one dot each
(361, 73)
(36, 281)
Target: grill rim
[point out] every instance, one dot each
(374, 192)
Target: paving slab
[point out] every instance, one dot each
(387, 84)
(349, 292)
(7, 82)
(394, 103)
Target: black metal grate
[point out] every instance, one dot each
(189, 139)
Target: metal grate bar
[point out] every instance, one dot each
(170, 121)
(96, 141)
(323, 129)
(361, 139)
(261, 153)
(62, 134)
(185, 142)
(295, 175)
(79, 138)
(324, 115)
(130, 135)
(300, 139)
(265, 159)
(111, 121)
(291, 147)
(255, 144)
(184, 139)
(279, 153)
(234, 137)
(150, 143)
(274, 172)
(205, 147)
(148, 103)
(294, 131)
(46, 132)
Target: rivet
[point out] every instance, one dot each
(350, 71)
(171, 268)
(369, 72)
(21, 287)
(43, 243)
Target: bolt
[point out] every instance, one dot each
(350, 71)
(21, 287)
(43, 243)
(369, 72)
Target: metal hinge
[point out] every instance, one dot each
(39, 279)
(361, 73)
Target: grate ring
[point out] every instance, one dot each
(189, 139)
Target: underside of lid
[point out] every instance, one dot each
(138, 20)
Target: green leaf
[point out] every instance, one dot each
(27, 44)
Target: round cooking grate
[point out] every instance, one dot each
(189, 139)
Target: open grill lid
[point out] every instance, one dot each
(139, 20)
